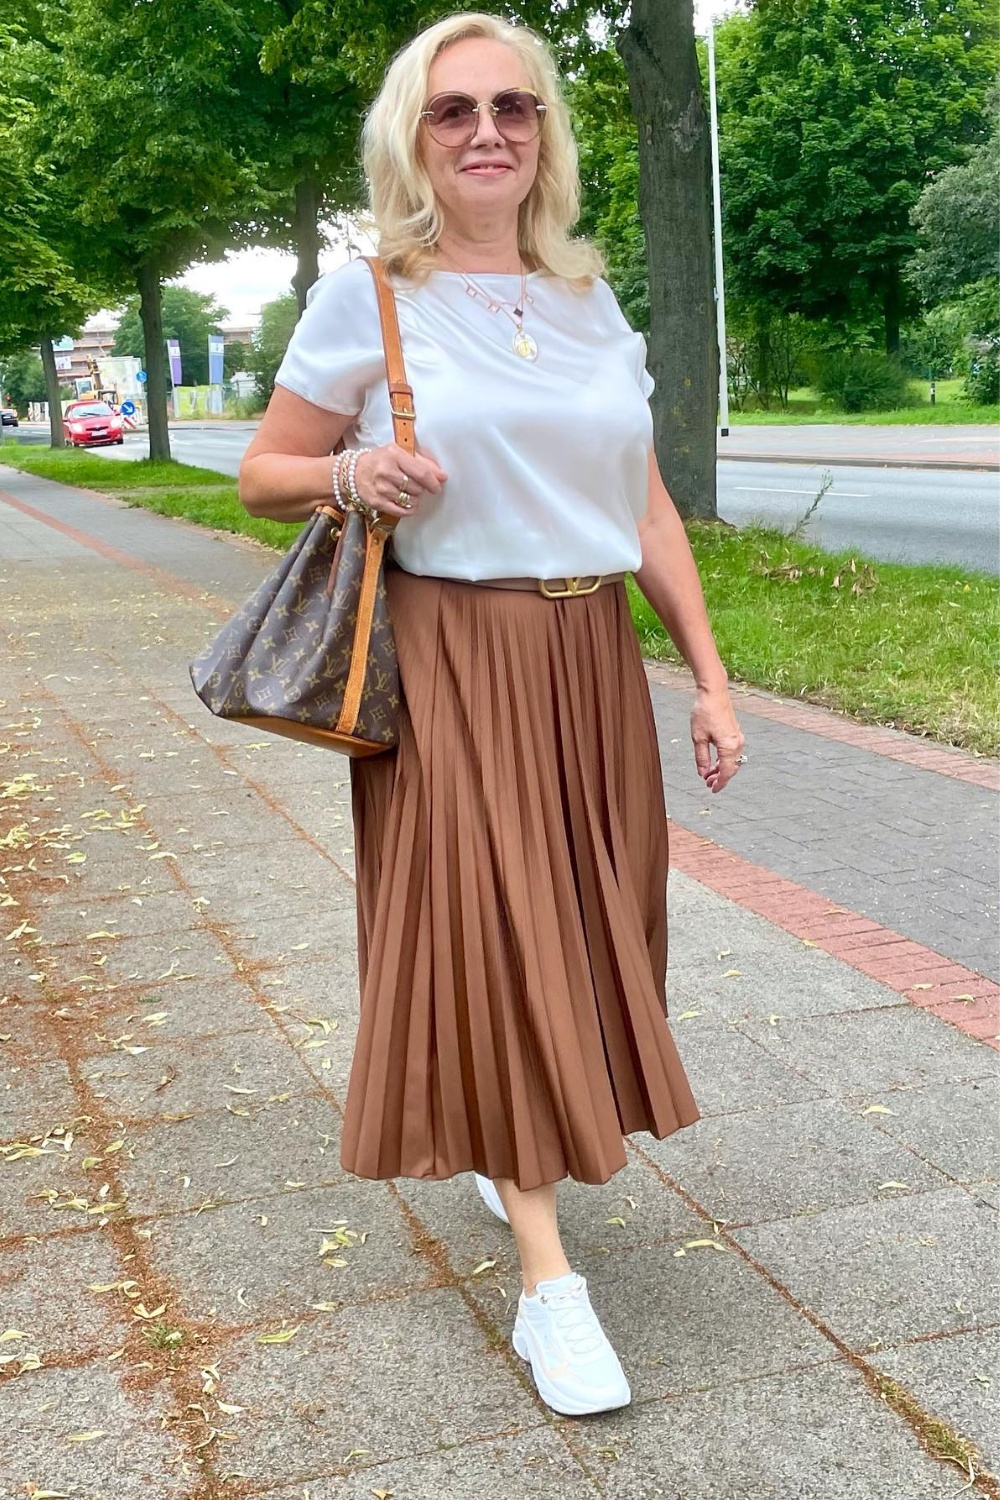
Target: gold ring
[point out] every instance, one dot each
(404, 500)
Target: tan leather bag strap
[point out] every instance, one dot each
(400, 393)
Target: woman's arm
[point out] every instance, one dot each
(668, 579)
(287, 471)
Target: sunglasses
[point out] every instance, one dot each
(452, 119)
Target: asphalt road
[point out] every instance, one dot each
(894, 514)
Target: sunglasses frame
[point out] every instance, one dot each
(540, 110)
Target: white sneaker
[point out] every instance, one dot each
(491, 1197)
(575, 1368)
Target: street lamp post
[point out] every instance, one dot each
(720, 292)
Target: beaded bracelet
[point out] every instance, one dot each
(339, 495)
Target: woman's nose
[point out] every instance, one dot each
(486, 126)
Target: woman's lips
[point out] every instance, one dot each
(488, 169)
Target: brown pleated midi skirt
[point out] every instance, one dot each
(511, 862)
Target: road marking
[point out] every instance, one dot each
(770, 489)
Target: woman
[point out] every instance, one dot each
(512, 852)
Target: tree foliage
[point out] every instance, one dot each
(277, 321)
(956, 218)
(188, 316)
(832, 114)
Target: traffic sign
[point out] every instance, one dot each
(127, 408)
(141, 376)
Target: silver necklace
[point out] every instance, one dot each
(522, 343)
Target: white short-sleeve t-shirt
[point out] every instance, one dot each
(546, 460)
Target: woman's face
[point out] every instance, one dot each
(484, 182)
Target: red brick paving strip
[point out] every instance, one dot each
(924, 754)
(958, 995)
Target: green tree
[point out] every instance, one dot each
(42, 291)
(956, 270)
(189, 317)
(22, 379)
(277, 321)
(832, 115)
(148, 124)
(956, 218)
(234, 359)
(609, 175)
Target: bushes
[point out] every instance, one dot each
(862, 381)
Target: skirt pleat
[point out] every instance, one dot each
(512, 867)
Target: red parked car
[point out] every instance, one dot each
(89, 422)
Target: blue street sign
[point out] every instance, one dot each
(127, 408)
(140, 375)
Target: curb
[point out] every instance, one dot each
(971, 466)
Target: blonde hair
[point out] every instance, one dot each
(407, 216)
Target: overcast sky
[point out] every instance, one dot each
(243, 281)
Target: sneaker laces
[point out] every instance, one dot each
(576, 1321)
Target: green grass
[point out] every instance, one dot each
(887, 643)
(806, 407)
(914, 647)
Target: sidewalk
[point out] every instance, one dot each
(198, 1304)
(891, 447)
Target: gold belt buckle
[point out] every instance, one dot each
(575, 588)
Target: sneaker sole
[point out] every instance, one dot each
(564, 1407)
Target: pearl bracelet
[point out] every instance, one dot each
(339, 495)
(352, 467)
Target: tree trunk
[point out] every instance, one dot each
(890, 307)
(151, 315)
(658, 50)
(307, 200)
(56, 437)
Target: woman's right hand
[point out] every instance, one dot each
(382, 472)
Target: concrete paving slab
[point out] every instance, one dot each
(26, 1180)
(956, 1126)
(276, 1266)
(221, 1157)
(955, 1379)
(69, 920)
(45, 1293)
(133, 1459)
(241, 1072)
(369, 1384)
(798, 1159)
(729, 1071)
(886, 1271)
(862, 1053)
(34, 1096)
(198, 1007)
(150, 960)
(816, 1433)
(534, 1463)
(776, 973)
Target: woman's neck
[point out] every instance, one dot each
(465, 253)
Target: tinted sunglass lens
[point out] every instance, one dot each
(452, 117)
(516, 115)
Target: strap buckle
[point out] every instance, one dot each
(576, 588)
(406, 415)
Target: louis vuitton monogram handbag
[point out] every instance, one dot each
(311, 654)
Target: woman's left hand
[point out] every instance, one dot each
(713, 722)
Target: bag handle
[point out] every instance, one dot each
(400, 393)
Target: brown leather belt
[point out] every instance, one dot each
(552, 588)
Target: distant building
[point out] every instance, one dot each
(74, 356)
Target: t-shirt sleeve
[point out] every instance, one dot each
(633, 343)
(335, 353)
